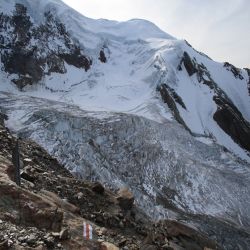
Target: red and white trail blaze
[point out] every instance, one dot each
(87, 231)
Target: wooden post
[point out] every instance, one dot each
(16, 162)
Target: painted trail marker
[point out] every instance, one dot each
(87, 231)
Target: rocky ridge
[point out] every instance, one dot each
(31, 51)
(227, 115)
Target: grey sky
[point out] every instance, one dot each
(219, 28)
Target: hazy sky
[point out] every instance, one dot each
(219, 28)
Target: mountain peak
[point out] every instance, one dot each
(130, 30)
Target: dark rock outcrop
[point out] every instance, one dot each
(102, 57)
(203, 76)
(232, 122)
(248, 72)
(176, 97)
(98, 188)
(32, 51)
(3, 117)
(76, 59)
(236, 72)
(188, 63)
(227, 115)
(168, 98)
(125, 199)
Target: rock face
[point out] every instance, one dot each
(232, 122)
(248, 72)
(171, 98)
(188, 63)
(227, 115)
(234, 70)
(31, 51)
(27, 208)
(176, 230)
(30, 214)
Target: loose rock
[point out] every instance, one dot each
(108, 246)
(98, 188)
(125, 199)
(64, 234)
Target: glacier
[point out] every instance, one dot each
(143, 119)
(161, 163)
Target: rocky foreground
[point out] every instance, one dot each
(48, 210)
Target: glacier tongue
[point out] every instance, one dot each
(165, 167)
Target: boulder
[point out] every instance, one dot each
(98, 188)
(125, 199)
(230, 119)
(46, 218)
(64, 234)
(27, 176)
(108, 246)
(4, 245)
(189, 237)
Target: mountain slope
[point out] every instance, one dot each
(129, 105)
(112, 66)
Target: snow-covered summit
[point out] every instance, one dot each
(132, 29)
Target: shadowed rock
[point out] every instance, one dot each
(20, 56)
(167, 98)
(236, 72)
(248, 72)
(125, 199)
(102, 57)
(232, 122)
(188, 63)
